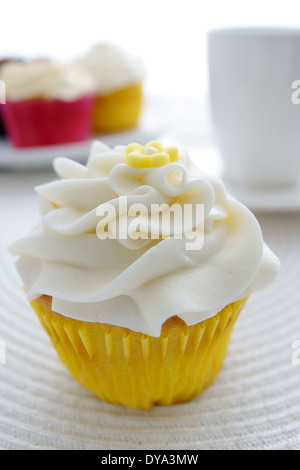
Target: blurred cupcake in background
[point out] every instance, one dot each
(2, 130)
(47, 103)
(119, 77)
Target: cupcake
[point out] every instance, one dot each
(47, 103)
(119, 77)
(138, 271)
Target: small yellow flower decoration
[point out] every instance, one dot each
(152, 155)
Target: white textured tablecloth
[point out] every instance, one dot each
(253, 404)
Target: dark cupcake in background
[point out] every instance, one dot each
(4, 61)
(2, 130)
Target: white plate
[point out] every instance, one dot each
(42, 157)
(281, 199)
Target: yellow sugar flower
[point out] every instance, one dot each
(152, 155)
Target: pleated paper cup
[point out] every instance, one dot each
(118, 110)
(135, 370)
(43, 122)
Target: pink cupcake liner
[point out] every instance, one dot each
(42, 122)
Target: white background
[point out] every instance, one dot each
(169, 34)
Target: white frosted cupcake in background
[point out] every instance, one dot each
(119, 77)
(47, 103)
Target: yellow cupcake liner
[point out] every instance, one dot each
(140, 371)
(118, 110)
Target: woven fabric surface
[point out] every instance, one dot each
(253, 404)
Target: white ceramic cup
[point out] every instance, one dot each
(254, 107)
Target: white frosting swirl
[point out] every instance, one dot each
(112, 67)
(46, 79)
(139, 284)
